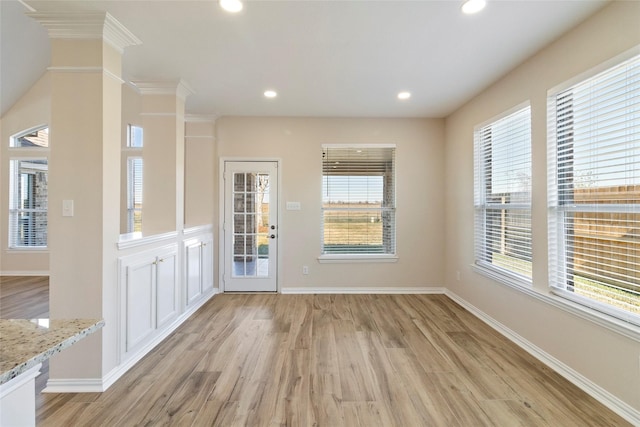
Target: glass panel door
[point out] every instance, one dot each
(250, 226)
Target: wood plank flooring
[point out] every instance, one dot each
(24, 297)
(333, 360)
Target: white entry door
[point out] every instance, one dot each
(250, 226)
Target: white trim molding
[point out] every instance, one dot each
(179, 88)
(352, 258)
(82, 385)
(621, 327)
(367, 290)
(87, 70)
(25, 273)
(601, 395)
(86, 25)
(133, 240)
(200, 118)
(198, 229)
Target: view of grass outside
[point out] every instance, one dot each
(137, 219)
(617, 297)
(353, 227)
(599, 291)
(512, 263)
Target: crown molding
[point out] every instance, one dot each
(86, 25)
(179, 88)
(200, 118)
(103, 70)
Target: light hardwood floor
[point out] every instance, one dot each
(24, 297)
(333, 360)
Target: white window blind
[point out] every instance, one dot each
(28, 200)
(594, 191)
(134, 194)
(503, 194)
(358, 199)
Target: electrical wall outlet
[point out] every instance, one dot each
(305, 269)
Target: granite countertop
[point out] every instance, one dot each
(25, 343)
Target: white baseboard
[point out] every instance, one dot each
(25, 273)
(82, 385)
(603, 396)
(98, 385)
(372, 290)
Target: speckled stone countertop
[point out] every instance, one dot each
(25, 343)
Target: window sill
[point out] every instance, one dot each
(503, 276)
(132, 240)
(347, 259)
(37, 249)
(629, 330)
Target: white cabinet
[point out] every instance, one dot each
(193, 261)
(198, 258)
(167, 290)
(138, 303)
(149, 295)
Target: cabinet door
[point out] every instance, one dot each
(139, 302)
(194, 271)
(207, 264)
(166, 286)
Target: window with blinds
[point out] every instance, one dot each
(28, 201)
(502, 194)
(594, 191)
(134, 194)
(135, 143)
(28, 189)
(358, 199)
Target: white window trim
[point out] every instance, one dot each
(491, 271)
(503, 276)
(618, 320)
(131, 189)
(24, 132)
(356, 258)
(363, 258)
(603, 320)
(25, 154)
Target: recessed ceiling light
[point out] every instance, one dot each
(404, 95)
(232, 6)
(270, 93)
(473, 6)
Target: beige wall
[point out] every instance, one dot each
(419, 187)
(434, 169)
(33, 109)
(200, 174)
(604, 357)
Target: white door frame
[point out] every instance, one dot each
(221, 216)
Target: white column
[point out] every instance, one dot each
(84, 170)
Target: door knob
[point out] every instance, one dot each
(273, 227)
(273, 236)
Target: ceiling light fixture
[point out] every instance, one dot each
(270, 93)
(404, 95)
(232, 6)
(473, 6)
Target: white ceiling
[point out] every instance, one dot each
(325, 58)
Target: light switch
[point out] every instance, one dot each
(67, 208)
(293, 206)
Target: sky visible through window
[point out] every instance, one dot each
(352, 189)
(510, 144)
(606, 124)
